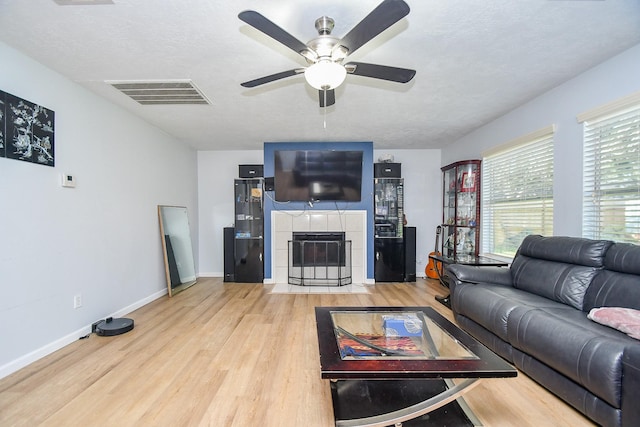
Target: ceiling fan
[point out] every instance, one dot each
(325, 53)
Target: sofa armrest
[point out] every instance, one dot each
(631, 386)
(475, 274)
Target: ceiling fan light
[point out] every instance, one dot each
(325, 75)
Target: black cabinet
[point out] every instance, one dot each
(394, 244)
(395, 259)
(389, 262)
(249, 267)
(249, 231)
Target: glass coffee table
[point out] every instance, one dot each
(390, 365)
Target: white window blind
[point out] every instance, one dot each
(517, 193)
(611, 189)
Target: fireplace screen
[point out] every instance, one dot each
(319, 258)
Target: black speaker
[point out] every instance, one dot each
(229, 250)
(409, 254)
(250, 171)
(269, 184)
(387, 170)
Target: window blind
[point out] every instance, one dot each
(517, 194)
(611, 177)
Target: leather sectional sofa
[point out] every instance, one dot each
(534, 314)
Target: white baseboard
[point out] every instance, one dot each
(19, 363)
(211, 274)
(136, 305)
(271, 281)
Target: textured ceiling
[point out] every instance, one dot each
(474, 61)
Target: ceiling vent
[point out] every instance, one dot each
(82, 2)
(162, 92)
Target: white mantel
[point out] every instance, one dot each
(352, 223)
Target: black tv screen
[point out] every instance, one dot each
(310, 175)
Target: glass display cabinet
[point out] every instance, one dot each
(389, 222)
(249, 231)
(461, 210)
(388, 207)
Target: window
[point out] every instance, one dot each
(517, 192)
(611, 189)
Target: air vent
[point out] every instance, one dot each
(161, 92)
(82, 2)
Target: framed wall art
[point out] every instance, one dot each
(26, 130)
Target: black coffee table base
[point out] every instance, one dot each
(371, 402)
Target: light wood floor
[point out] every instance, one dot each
(228, 354)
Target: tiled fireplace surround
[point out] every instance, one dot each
(352, 223)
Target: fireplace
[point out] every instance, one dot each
(353, 223)
(319, 257)
(317, 248)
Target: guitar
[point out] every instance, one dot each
(431, 269)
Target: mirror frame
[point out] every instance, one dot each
(172, 290)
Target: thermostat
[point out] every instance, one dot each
(68, 180)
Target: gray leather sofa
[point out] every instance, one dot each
(534, 314)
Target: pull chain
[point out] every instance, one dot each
(325, 108)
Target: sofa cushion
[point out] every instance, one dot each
(565, 340)
(486, 337)
(490, 305)
(612, 289)
(570, 391)
(571, 250)
(559, 268)
(618, 284)
(623, 258)
(561, 282)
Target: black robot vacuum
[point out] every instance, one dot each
(110, 326)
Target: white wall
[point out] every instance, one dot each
(611, 80)
(216, 172)
(100, 240)
(422, 196)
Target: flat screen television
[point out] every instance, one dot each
(314, 175)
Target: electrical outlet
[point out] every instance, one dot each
(77, 301)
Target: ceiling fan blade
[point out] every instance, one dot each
(259, 22)
(272, 78)
(382, 17)
(327, 97)
(393, 74)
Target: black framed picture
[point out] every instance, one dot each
(27, 130)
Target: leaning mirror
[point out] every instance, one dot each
(176, 245)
